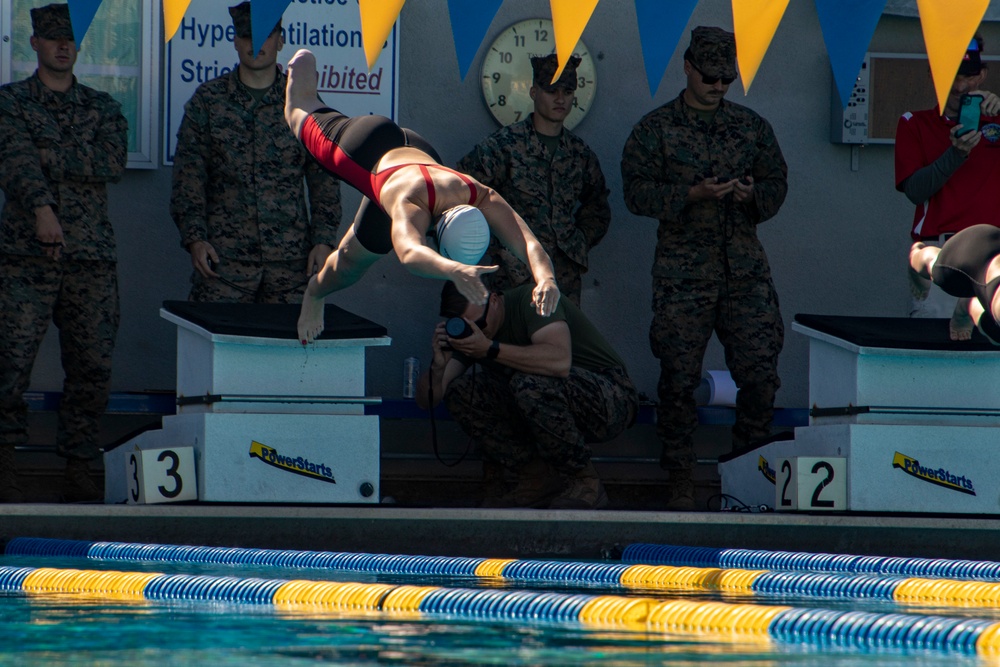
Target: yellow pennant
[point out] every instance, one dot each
(754, 22)
(948, 30)
(377, 17)
(173, 13)
(569, 18)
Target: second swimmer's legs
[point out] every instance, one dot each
(301, 96)
(922, 258)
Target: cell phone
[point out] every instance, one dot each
(968, 113)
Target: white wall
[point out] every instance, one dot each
(838, 245)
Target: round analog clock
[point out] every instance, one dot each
(506, 73)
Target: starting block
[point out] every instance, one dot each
(902, 419)
(264, 418)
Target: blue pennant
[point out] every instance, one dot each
(264, 15)
(848, 26)
(661, 25)
(470, 19)
(81, 15)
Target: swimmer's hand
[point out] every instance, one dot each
(468, 280)
(545, 297)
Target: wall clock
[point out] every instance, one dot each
(506, 72)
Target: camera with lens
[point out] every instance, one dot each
(456, 327)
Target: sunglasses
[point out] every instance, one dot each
(481, 322)
(712, 80)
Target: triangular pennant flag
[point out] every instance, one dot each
(848, 26)
(569, 18)
(173, 14)
(661, 26)
(947, 34)
(377, 17)
(470, 19)
(754, 22)
(264, 15)
(81, 14)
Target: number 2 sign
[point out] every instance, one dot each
(161, 476)
(811, 484)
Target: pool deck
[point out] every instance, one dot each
(433, 512)
(499, 533)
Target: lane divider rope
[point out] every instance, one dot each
(715, 621)
(839, 585)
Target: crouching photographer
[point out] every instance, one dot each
(548, 387)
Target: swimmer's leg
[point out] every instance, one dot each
(343, 268)
(962, 323)
(922, 258)
(301, 96)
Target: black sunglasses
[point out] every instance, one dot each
(481, 322)
(712, 80)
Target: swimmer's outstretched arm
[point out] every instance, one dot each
(301, 91)
(514, 233)
(409, 227)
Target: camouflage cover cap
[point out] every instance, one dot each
(52, 22)
(713, 51)
(241, 20)
(545, 68)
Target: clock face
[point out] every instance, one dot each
(506, 73)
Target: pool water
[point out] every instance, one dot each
(65, 629)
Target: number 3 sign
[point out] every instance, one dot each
(161, 476)
(810, 484)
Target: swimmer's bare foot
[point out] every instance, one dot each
(311, 316)
(920, 287)
(961, 325)
(301, 97)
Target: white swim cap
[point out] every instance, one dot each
(462, 234)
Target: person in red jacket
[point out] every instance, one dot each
(950, 175)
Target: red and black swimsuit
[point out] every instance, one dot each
(351, 147)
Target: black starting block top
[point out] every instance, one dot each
(895, 332)
(260, 320)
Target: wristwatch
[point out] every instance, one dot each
(494, 349)
(507, 75)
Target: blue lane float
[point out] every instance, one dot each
(666, 554)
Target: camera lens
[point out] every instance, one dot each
(456, 327)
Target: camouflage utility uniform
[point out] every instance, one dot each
(516, 416)
(60, 150)
(238, 184)
(710, 272)
(561, 196)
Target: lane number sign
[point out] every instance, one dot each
(811, 484)
(161, 476)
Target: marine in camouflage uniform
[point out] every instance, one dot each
(240, 183)
(681, 165)
(526, 408)
(550, 177)
(62, 144)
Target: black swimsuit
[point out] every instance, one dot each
(960, 270)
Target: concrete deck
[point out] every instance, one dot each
(500, 533)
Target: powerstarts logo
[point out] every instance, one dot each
(294, 464)
(765, 469)
(939, 476)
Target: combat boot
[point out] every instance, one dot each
(584, 492)
(537, 484)
(10, 490)
(494, 483)
(78, 487)
(680, 492)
